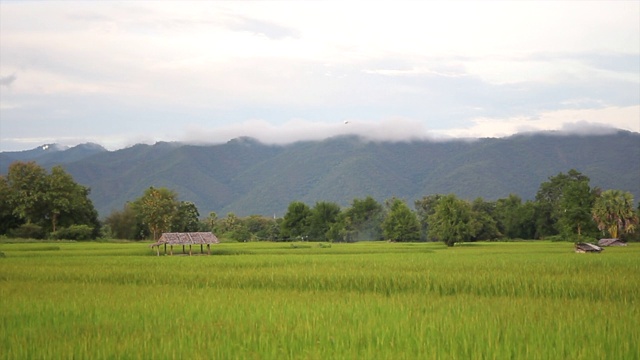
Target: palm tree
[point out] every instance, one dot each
(613, 212)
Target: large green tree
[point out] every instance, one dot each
(27, 184)
(425, 207)
(576, 204)
(68, 203)
(295, 223)
(515, 219)
(550, 205)
(451, 220)
(8, 219)
(262, 227)
(187, 218)
(233, 227)
(211, 221)
(483, 220)
(400, 223)
(157, 208)
(613, 212)
(361, 221)
(125, 224)
(49, 201)
(323, 216)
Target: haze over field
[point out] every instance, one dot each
(120, 73)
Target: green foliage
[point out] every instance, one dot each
(157, 209)
(73, 232)
(125, 224)
(400, 223)
(295, 223)
(27, 184)
(451, 220)
(250, 228)
(613, 212)
(562, 192)
(235, 228)
(576, 204)
(47, 200)
(28, 231)
(262, 227)
(155, 212)
(228, 224)
(322, 218)
(515, 219)
(483, 224)
(340, 231)
(426, 207)
(361, 221)
(8, 219)
(211, 221)
(240, 234)
(186, 218)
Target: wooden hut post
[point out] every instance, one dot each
(208, 249)
(165, 248)
(183, 249)
(201, 252)
(189, 249)
(171, 249)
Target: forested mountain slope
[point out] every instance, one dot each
(246, 177)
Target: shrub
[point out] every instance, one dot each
(28, 231)
(74, 232)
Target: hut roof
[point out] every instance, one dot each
(588, 247)
(189, 238)
(611, 242)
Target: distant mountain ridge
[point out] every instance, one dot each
(247, 177)
(50, 154)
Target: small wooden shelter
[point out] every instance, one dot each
(184, 239)
(611, 242)
(587, 247)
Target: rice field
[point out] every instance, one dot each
(521, 300)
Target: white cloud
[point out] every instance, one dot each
(567, 121)
(301, 130)
(216, 65)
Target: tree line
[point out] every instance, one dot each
(38, 204)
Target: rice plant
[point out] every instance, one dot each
(364, 300)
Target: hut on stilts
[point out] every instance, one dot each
(184, 239)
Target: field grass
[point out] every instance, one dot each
(522, 300)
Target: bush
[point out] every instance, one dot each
(240, 235)
(73, 232)
(630, 237)
(28, 231)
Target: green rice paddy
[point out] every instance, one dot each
(521, 300)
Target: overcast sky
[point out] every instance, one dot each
(120, 73)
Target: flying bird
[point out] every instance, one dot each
(346, 122)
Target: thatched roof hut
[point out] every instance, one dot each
(587, 247)
(611, 242)
(190, 238)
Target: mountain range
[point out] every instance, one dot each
(246, 177)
